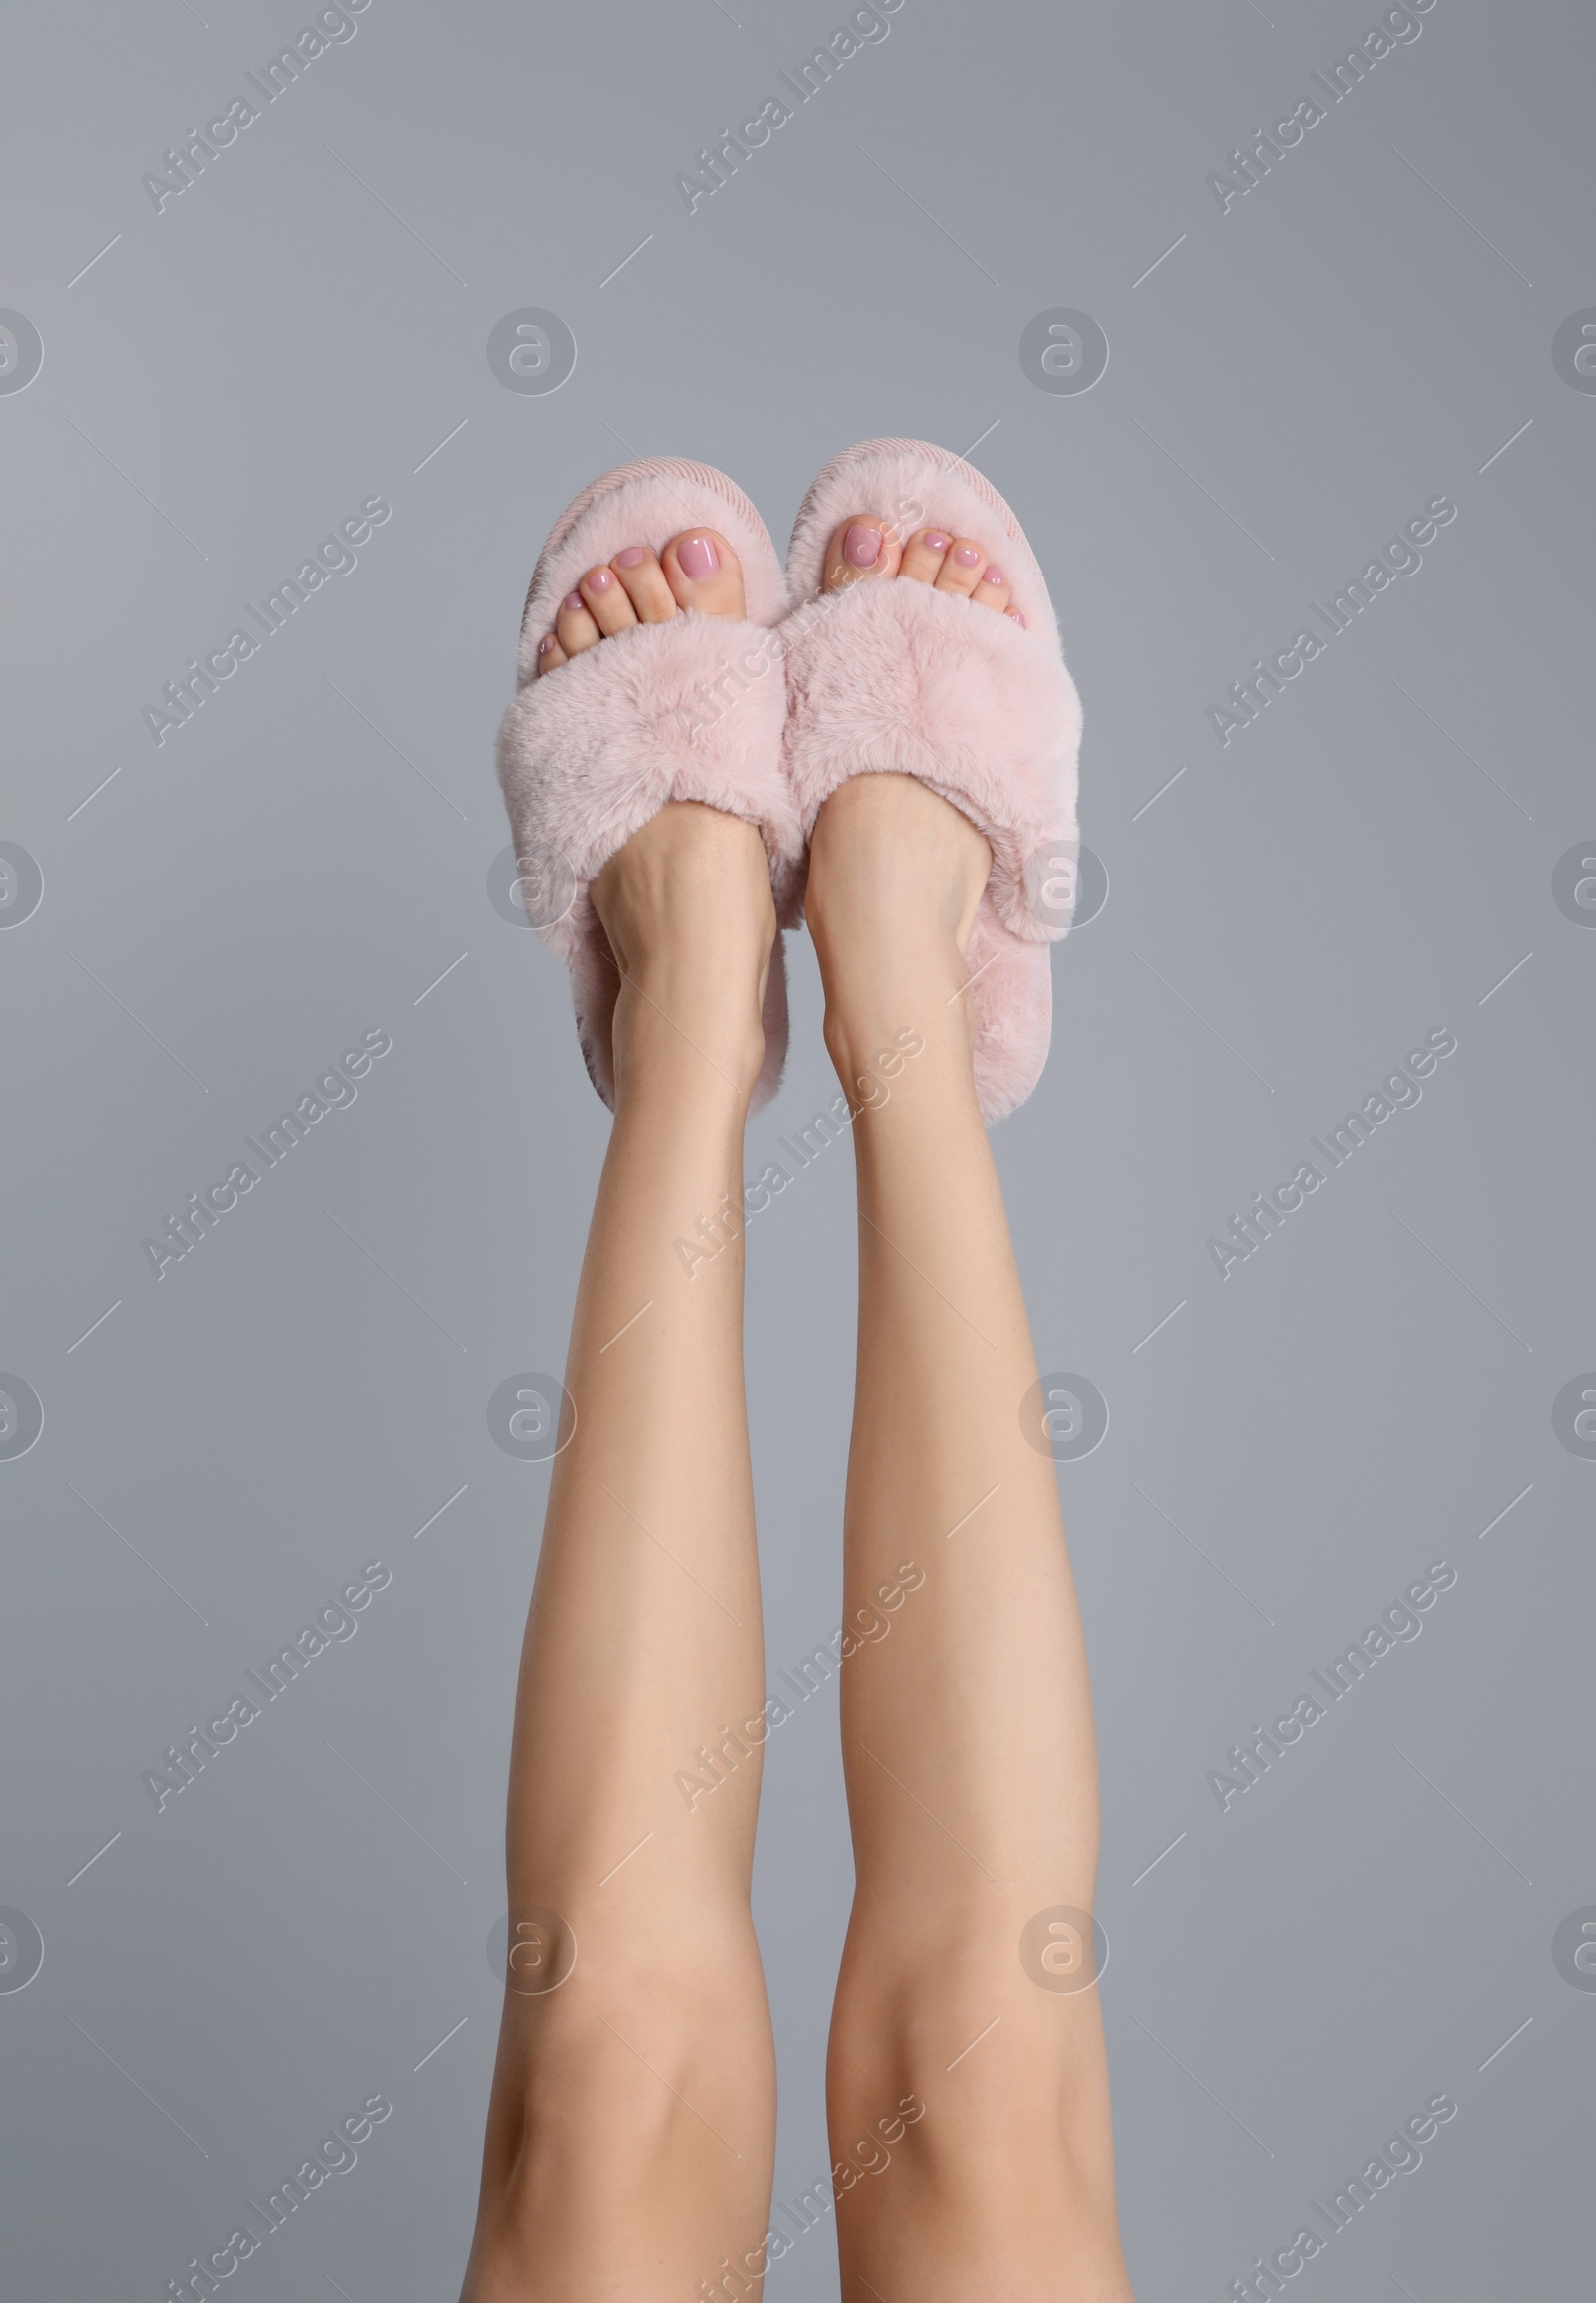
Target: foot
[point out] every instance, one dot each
(865, 549)
(687, 908)
(697, 570)
(896, 873)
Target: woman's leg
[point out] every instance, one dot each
(967, 1722)
(632, 2122)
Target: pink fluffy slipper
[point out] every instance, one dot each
(686, 710)
(893, 676)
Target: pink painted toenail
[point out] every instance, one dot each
(545, 643)
(861, 546)
(697, 557)
(632, 557)
(967, 556)
(935, 541)
(995, 575)
(1018, 618)
(600, 581)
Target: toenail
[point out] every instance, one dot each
(600, 581)
(1018, 618)
(967, 556)
(861, 546)
(545, 643)
(995, 575)
(936, 540)
(572, 601)
(698, 557)
(632, 557)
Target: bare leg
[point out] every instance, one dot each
(967, 1722)
(632, 2124)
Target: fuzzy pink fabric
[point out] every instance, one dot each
(693, 709)
(885, 675)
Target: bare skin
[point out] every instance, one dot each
(697, 569)
(866, 549)
(630, 2127)
(968, 1736)
(630, 2130)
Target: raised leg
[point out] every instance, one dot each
(631, 2122)
(968, 2084)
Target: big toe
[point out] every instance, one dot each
(863, 545)
(703, 573)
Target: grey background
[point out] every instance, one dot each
(1365, 329)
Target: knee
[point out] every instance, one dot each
(589, 2023)
(606, 2086)
(665, 1991)
(946, 2034)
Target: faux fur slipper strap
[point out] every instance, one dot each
(686, 710)
(893, 676)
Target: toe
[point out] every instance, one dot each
(575, 629)
(644, 581)
(862, 547)
(703, 573)
(992, 589)
(551, 655)
(961, 569)
(606, 600)
(923, 554)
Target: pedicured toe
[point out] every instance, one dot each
(862, 548)
(961, 569)
(703, 573)
(992, 588)
(575, 629)
(606, 600)
(923, 554)
(641, 577)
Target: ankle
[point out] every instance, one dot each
(686, 1029)
(687, 910)
(896, 876)
(901, 1026)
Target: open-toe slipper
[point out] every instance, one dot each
(891, 675)
(692, 709)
